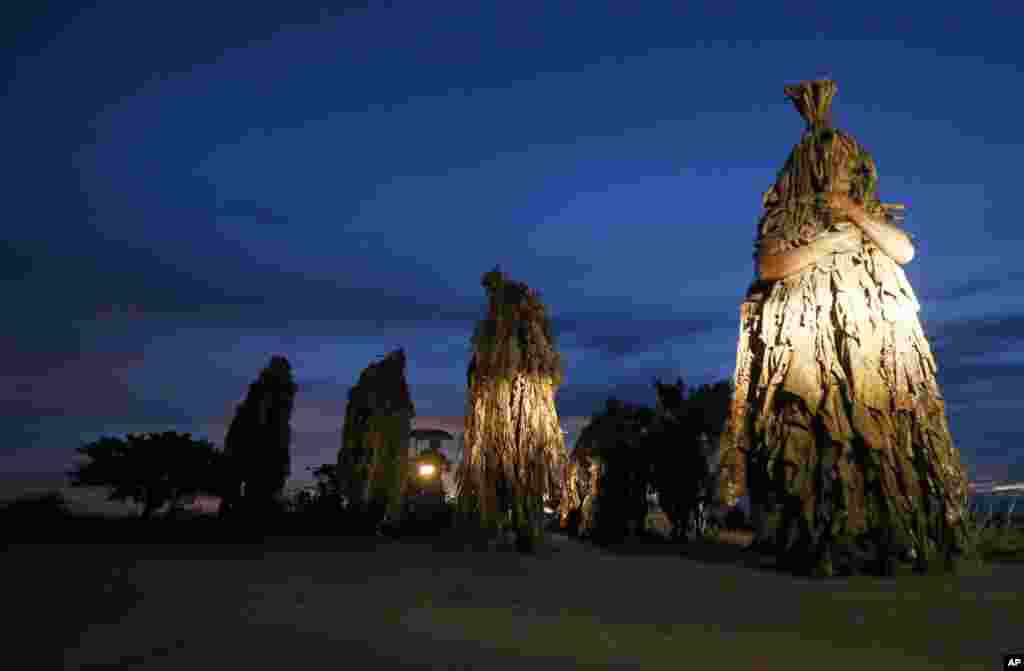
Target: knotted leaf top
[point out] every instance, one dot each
(813, 99)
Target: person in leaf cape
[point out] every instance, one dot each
(837, 428)
(514, 446)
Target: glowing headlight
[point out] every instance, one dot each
(426, 470)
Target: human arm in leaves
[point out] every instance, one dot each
(783, 264)
(890, 239)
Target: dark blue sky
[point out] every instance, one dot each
(193, 187)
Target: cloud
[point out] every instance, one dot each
(322, 223)
(977, 384)
(617, 336)
(453, 424)
(989, 282)
(584, 400)
(175, 324)
(961, 347)
(91, 389)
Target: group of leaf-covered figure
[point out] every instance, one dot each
(601, 490)
(833, 424)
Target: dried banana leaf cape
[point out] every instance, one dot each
(576, 486)
(258, 440)
(582, 482)
(514, 448)
(590, 507)
(373, 461)
(837, 429)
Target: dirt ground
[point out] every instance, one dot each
(377, 603)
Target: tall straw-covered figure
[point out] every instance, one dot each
(837, 428)
(373, 462)
(514, 448)
(257, 447)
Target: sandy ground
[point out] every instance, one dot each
(354, 603)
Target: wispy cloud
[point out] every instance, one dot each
(1001, 280)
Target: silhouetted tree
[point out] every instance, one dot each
(257, 445)
(150, 469)
(303, 501)
(326, 481)
(708, 407)
(614, 443)
(682, 449)
(678, 470)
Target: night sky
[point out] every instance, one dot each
(192, 187)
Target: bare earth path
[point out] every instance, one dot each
(378, 604)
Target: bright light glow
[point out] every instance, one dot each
(426, 470)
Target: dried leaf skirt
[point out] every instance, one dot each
(837, 428)
(514, 453)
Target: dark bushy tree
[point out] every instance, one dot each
(615, 438)
(150, 469)
(326, 481)
(327, 499)
(257, 445)
(678, 469)
(626, 450)
(708, 407)
(680, 460)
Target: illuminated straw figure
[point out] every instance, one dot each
(837, 428)
(514, 447)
